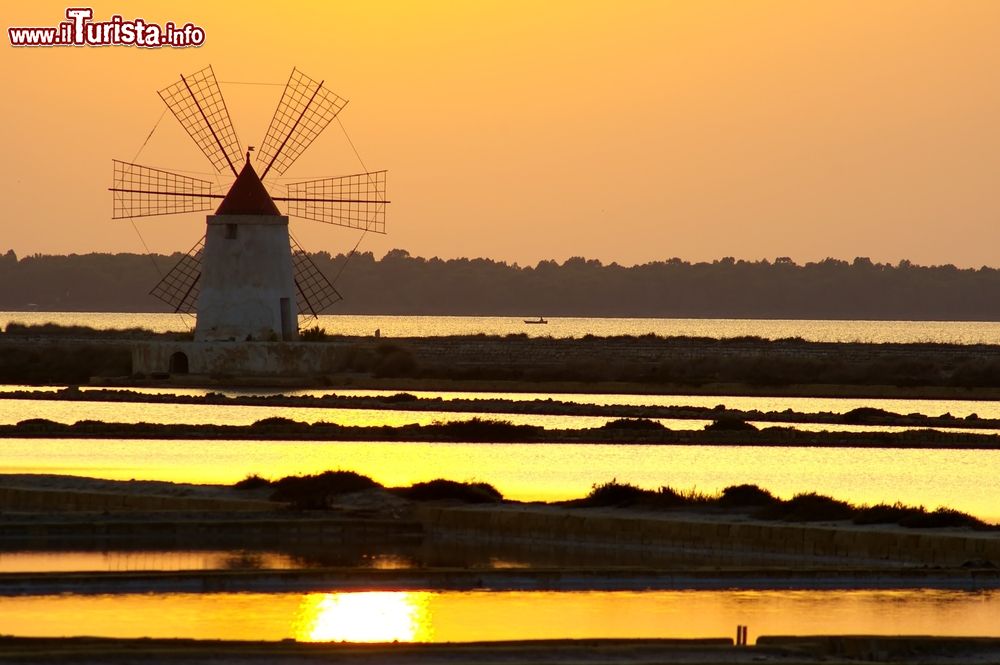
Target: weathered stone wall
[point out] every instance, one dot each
(853, 545)
(18, 499)
(236, 358)
(604, 356)
(205, 530)
(527, 352)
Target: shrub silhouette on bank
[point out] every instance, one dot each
(625, 495)
(314, 492)
(633, 424)
(614, 495)
(761, 504)
(314, 334)
(252, 482)
(811, 507)
(486, 430)
(80, 332)
(940, 519)
(745, 496)
(399, 398)
(865, 414)
(450, 490)
(726, 424)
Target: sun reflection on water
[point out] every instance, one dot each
(369, 616)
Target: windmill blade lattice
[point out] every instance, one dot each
(316, 293)
(304, 111)
(197, 102)
(141, 191)
(179, 288)
(355, 201)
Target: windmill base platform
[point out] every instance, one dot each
(271, 359)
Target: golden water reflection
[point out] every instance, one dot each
(463, 616)
(13, 411)
(947, 332)
(370, 616)
(960, 479)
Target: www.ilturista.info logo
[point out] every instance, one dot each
(80, 30)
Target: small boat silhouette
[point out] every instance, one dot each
(536, 321)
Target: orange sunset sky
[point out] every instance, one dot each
(626, 131)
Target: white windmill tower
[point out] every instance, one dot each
(247, 279)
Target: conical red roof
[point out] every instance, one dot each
(247, 196)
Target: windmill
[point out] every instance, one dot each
(247, 279)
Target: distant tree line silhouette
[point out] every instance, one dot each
(402, 284)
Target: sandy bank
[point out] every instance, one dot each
(377, 515)
(411, 403)
(565, 578)
(634, 364)
(787, 650)
(498, 431)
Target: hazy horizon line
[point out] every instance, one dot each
(722, 260)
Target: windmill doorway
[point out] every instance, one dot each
(178, 363)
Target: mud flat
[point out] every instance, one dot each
(411, 403)
(498, 431)
(564, 578)
(786, 650)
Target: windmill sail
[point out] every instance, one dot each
(304, 111)
(141, 191)
(196, 101)
(355, 201)
(179, 288)
(316, 293)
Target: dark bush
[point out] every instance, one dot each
(279, 424)
(252, 482)
(450, 490)
(745, 496)
(865, 414)
(399, 398)
(810, 507)
(633, 424)
(314, 334)
(624, 495)
(480, 429)
(668, 497)
(730, 425)
(940, 519)
(314, 492)
(614, 494)
(916, 518)
(36, 423)
(884, 513)
(76, 332)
